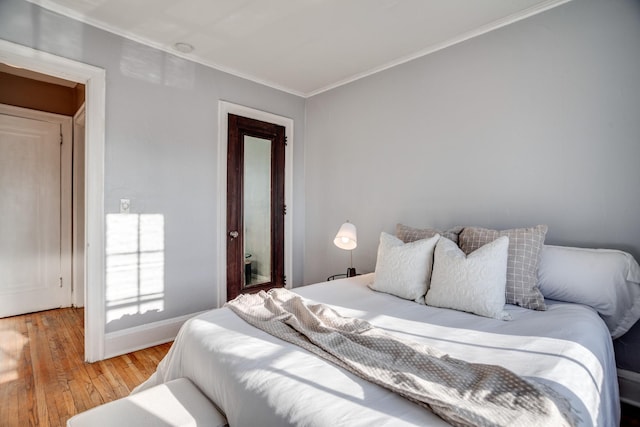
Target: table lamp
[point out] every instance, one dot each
(347, 239)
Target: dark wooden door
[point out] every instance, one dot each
(255, 205)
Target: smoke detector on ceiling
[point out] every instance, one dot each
(183, 47)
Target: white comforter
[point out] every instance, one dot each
(259, 380)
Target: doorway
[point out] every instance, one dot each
(224, 109)
(35, 211)
(94, 80)
(255, 205)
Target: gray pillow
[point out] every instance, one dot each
(525, 245)
(410, 234)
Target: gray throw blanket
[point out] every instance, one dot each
(463, 394)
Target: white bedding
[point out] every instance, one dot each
(259, 380)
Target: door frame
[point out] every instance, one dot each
(94, 80)
(77, 264)
(224, 109)
(66, 162)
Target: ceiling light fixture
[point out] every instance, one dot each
(183, 47)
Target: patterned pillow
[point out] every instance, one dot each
(525, 245)
(404, 269)
(409, 234)
(473, 283)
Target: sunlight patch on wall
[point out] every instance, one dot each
(49, 37)
(135, 264)
(157, 67)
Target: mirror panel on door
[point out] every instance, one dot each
(257, 211)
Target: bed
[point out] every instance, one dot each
(256, 379)
(607, 280)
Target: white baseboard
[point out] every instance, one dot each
(629, 382)
(143, 336)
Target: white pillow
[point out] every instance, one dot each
(605, 279)
(404, 269)
(475, 282)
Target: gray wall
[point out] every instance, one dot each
(161, 145)
(537, 122)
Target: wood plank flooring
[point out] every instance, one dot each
(43, 378)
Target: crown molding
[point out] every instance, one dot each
(523, 14)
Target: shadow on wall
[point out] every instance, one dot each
(134, 265)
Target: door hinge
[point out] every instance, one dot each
(61, 139)
(284, 209)
(60, 281)
(284, 280)
(285, 140)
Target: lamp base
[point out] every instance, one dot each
(351, 272)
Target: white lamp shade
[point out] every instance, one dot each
(346, 238)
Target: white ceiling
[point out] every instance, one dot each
(301, 46)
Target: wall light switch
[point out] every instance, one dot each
(125, 206)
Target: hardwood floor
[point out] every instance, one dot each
(43, 378)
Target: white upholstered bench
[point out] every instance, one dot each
(176, 403)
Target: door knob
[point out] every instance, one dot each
(233, 234)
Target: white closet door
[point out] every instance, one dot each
(30, 238)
